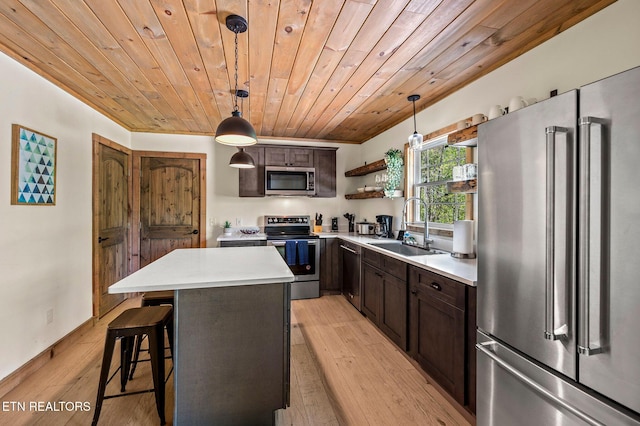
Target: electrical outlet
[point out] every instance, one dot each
(49, 315)
(238, 221)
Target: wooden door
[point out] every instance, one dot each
(111, 221)
(172, 204)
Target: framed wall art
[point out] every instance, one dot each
(33, 167)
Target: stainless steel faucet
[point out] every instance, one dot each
(426, 240)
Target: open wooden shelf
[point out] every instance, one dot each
(365, 195)
(463, 186)
(367, 168)
(464, 138)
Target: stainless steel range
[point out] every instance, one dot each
(292, 236)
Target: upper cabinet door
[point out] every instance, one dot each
(288, 157)
(251, 181)
(325, 165)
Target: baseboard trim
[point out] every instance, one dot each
(17, 377)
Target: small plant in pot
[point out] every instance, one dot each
(395, 164)
(227, 227)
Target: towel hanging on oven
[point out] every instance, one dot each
(290, 252)
(303, 252)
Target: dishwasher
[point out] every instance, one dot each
(351, 284)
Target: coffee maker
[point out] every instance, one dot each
(386, 222)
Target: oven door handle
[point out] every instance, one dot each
(281, 243)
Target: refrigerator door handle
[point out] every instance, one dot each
(483, 347)
(584, 344)
(550, 332)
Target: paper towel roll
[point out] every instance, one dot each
(463, 236)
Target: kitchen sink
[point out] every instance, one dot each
(405, 249)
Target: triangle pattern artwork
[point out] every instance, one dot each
(36, 177)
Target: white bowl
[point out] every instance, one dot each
(369, 188)
(360, 189)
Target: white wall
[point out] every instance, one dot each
(604, 44)
(223, 202)
(45, 252)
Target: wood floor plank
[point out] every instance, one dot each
(377, 384)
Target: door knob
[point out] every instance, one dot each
(194, 232)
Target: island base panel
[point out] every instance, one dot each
(232, 354)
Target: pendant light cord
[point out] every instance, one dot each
(415, 128)
(235, 92)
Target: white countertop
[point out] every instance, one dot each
(208, 267)
(462, 270)
(239, 236)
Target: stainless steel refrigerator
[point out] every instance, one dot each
(559, 260)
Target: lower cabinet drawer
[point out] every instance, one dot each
(239, 243)
(438, 287)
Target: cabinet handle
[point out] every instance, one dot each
(436, 286)
(349, 249)
(414, 292)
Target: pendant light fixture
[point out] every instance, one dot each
(415, 140)
(235, 130)
(242, 160)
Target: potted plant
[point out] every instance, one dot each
(395, 164)
(227, 227)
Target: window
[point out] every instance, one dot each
(431, 168)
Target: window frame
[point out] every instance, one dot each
(411, 189)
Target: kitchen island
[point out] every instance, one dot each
(232, 320)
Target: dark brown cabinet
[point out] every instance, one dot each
(372, 282)
(251, 181)
(330, 266)
(242, 243)
(285, 156)
(324, 161)
(471, 348)
(437, 333)
(384, 294)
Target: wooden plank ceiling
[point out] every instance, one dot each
(338, 70)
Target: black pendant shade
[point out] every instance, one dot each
(235, 130)
(242, 160)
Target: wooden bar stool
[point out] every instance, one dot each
(152, 298)
(132, 323)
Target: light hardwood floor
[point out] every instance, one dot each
(343, 372)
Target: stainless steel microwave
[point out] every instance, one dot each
(289, 180)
